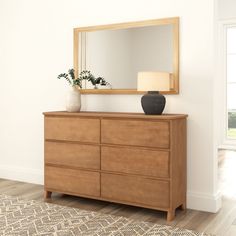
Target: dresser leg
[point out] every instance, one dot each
(47, 194)
(170, 215)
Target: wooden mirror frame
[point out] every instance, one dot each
(175, 75)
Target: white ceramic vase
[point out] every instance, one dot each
(73, 100)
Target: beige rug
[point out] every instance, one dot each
(21, 217)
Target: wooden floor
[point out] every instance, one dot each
(223, 223)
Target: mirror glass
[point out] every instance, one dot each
(118, 53)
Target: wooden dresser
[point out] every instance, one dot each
(128, 158)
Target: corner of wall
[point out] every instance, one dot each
(204, 202)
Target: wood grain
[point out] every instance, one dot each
(74, 181)
(135, 161)
(72, 129)
(72, 154)
(135, 189)
(116, 115)
(178, 163)
(135, 132)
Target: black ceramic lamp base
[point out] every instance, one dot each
(153, 103)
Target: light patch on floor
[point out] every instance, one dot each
(227, 173)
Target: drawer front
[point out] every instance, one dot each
(135, 132)
(135, 161)
(72, 181)
(135, 189)
(72, 129)
(72, 154)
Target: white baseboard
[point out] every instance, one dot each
(34, 176)
(204, 202)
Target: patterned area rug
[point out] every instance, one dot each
(21, 217)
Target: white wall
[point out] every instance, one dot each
(36, 45)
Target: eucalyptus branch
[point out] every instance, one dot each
(87, 75)
(70, 77)
(64, 75)
(84, 75)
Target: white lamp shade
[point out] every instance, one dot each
(153, 81)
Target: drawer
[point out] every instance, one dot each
(135, 132)
(72, 181)
(72, 129)
(72, 154)
(135, 161)
(139, 190)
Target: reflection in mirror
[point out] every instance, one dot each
(118, 53)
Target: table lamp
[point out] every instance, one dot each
(153, 103)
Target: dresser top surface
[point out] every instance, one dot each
(115, 115)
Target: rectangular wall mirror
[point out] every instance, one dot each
(118, 52)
